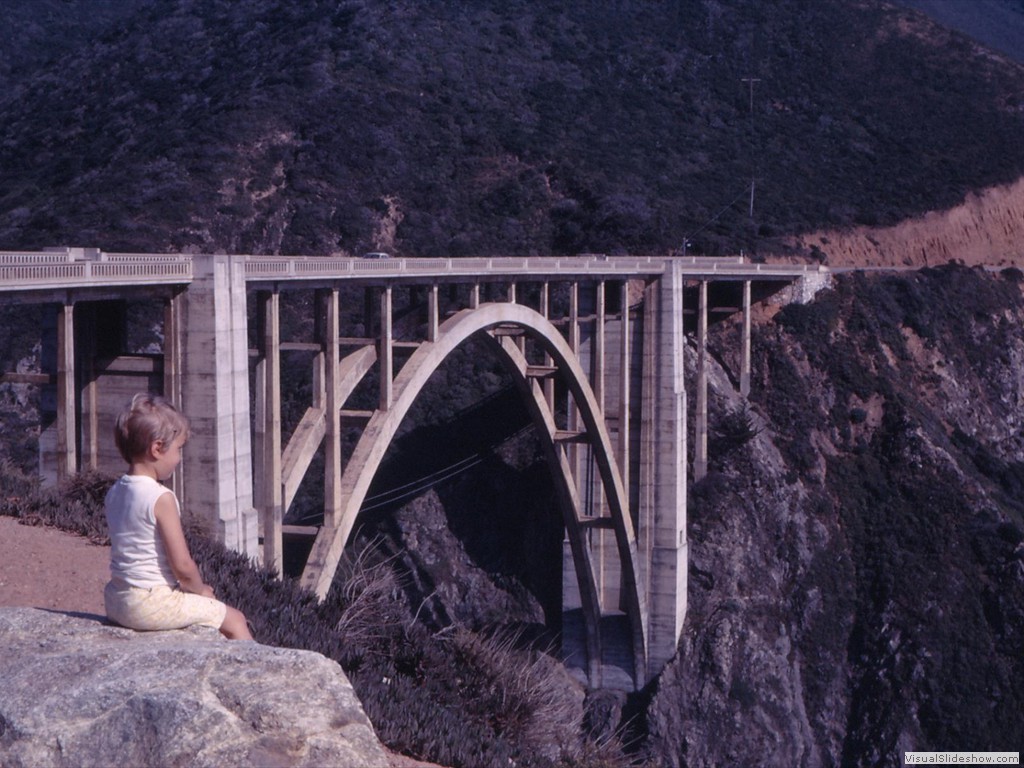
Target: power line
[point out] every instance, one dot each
(717, 216)
(420, 484)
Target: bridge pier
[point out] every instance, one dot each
(745, 343)
(700, 431)
(662, 473)
(217, 469)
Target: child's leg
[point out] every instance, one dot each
(235, 626)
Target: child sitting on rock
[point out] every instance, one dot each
(154, 582)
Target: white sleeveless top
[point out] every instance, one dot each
(138, 556)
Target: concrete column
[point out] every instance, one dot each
(217, 466)
(625, 373)
(272, 511)
(386, 352)
(603, 544)
(662, 485)
(572, 414)
(86, 331)
(574, 317)
(329, 338)
(474, 296)
(599, 344)
(172, 366)
(745, 342)
(545, 310)
(700, 448)
(67, 430)
(433, 320)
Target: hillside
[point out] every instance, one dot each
(856, 582)
(39, 34)
(500, 128)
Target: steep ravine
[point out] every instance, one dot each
(857, 567)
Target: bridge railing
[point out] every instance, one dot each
(49, 272)
(137, 257)
(22, 270)
(45, 257)
(297, 267)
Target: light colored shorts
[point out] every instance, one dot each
(160, 607)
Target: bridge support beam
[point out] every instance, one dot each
(67, 451)
(58, 429)
(745, 343)
(217, 465)
(700, 432)
(268, 382)
(662, 483)
(625, 371)
(385, 352)
(328, 311)
(173, 340)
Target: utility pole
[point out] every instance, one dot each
(750, 82)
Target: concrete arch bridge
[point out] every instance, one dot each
(593, 344)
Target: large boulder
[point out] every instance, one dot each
(76, 691)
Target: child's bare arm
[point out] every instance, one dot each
(180, 559)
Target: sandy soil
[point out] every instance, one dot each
(47, 568)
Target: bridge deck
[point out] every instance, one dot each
(88, 268)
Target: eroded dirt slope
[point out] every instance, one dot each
(987, 228)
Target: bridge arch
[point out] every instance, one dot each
(383, 425)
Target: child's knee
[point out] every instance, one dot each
(235, 625)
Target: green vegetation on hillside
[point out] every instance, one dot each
(499, 128)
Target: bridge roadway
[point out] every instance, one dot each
(594, 345)
(83, 269)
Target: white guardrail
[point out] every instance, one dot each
(298, 267)
(51, 269)
(80, 267)
(263, 268)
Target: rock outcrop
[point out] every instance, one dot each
(856, 582)
(79, 692)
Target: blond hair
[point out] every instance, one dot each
(149, 419)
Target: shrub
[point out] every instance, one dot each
(733, 431)
(16, 488)
(76, 505)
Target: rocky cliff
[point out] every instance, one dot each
(857, 565)
(78, 692)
